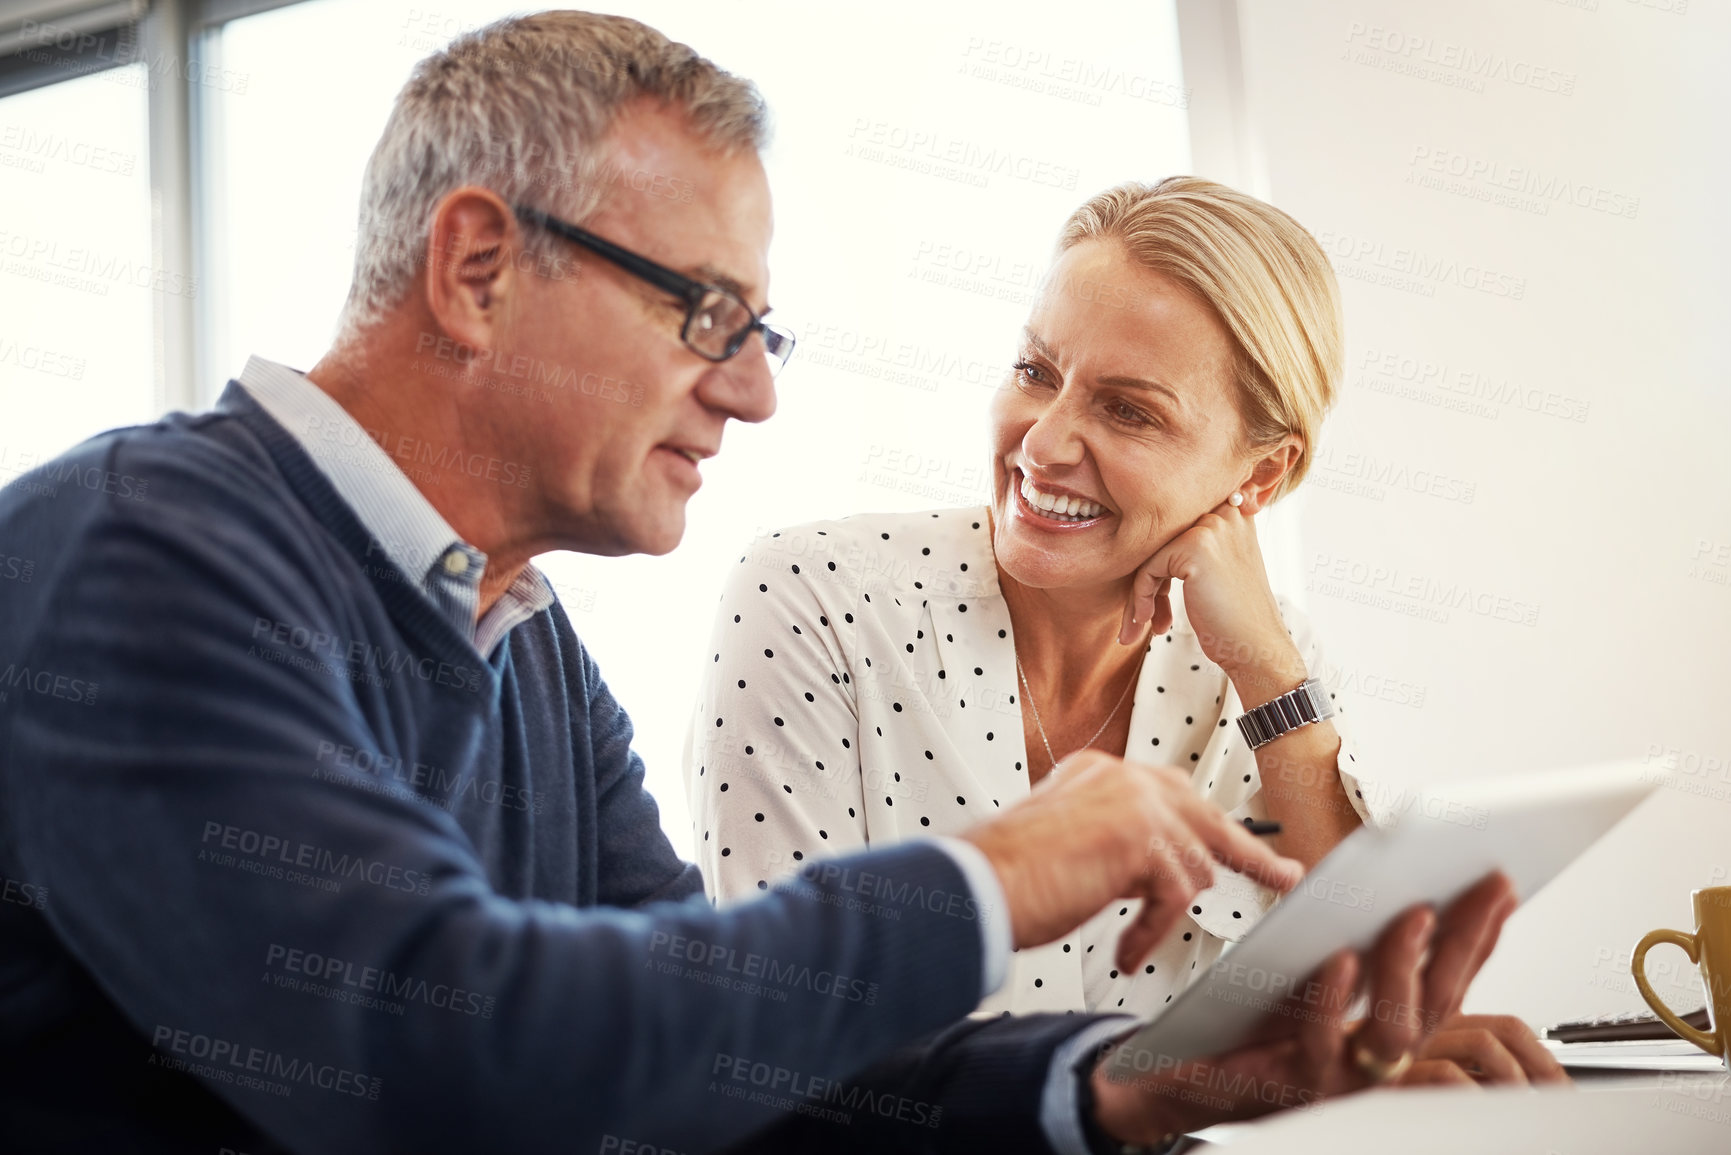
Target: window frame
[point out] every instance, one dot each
(183, 36)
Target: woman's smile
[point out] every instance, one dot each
(1053, 510)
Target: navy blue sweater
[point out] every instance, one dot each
(287, 865)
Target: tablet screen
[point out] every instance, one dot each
(1443, 841)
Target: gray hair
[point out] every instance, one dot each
(518, 107)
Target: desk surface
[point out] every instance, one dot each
(1682, 1114)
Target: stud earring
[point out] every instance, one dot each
(1236, 499)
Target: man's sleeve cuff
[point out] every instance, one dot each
(995, 939)
(1060, 1113)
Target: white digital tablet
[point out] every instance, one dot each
(1529, 826)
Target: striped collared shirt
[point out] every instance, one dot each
(402, 522)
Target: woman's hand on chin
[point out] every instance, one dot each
(1226, 597)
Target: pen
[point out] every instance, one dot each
(1256, 827)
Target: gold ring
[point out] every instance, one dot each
(1381, 1070)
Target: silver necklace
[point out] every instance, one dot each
(1041, 726)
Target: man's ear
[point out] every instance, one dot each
(1268, 471)
(470, 274)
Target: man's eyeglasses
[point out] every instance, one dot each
(717, 322)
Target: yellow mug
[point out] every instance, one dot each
(1709, 948)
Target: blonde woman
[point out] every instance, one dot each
(890, 676)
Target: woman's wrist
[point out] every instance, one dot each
(1266, 671)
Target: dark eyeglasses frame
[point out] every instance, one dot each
(777, 342)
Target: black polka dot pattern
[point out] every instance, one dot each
(861, 707)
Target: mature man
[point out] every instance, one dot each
(330, 832)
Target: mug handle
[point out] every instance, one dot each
(1638, 966)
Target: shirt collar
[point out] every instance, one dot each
(401, 521)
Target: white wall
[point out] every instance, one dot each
(1538, 415)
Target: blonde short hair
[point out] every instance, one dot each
(1264, 276)
(518, 107)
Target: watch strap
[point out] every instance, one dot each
(1298, 707)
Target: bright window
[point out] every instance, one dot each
(77, 280)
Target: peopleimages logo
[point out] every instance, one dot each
(438, 784)
(271, 849)
(1410, 267)
(888, 892)
(41, 254)
(1458, 65)
(46, 146)
(23, 893)
(40, 360)
(814, 1095)
(325, 970)
(921, 148)
(36, 475)
(1461, 388)
(48, 684)
(224, 1059)
(1497, 177)
(358, 655)
(530, 370)
(725, 961)
(410, 452)
(1387, 586)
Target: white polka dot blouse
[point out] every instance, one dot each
(860, 688)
